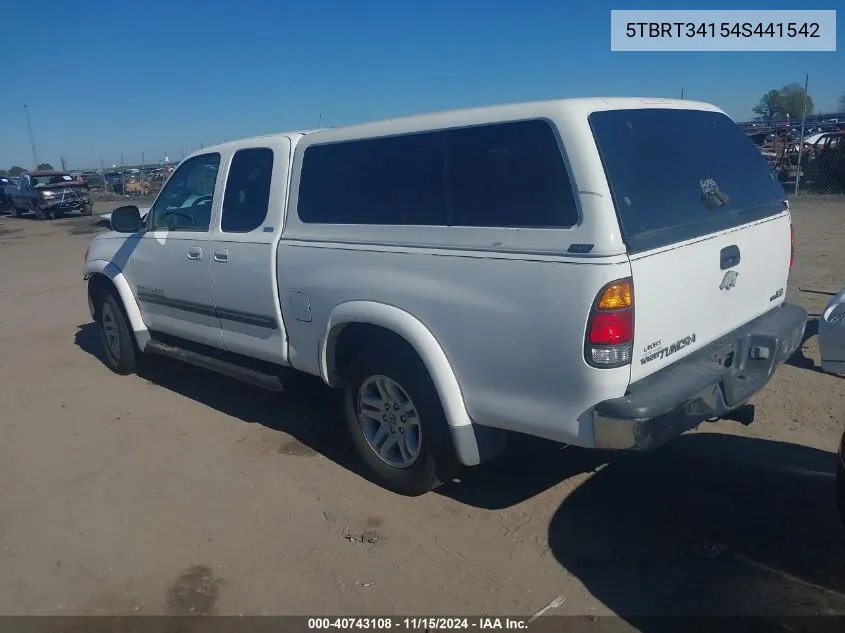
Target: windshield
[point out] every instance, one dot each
(681, 174)
(52, 179)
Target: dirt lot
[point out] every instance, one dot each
(181, 491)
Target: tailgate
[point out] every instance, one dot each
(688, 295)
(704, 222)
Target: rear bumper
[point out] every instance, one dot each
(708, 384)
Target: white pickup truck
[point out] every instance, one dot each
(568, 269)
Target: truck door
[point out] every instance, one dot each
(243, 250)
(169, 269)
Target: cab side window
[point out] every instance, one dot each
(247, 196)
(185, 202)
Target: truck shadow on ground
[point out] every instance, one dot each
(308, 411)
(311, 413)
(708, 525)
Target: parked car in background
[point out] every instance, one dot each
(7, 184)
(832, 351)
(115, 182)
(49, 194)
(832, 335)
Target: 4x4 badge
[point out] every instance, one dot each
(729, 280)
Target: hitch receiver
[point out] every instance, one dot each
(743, 414)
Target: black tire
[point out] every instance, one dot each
(88, 209)
(436, 462)
(41, 214)
(122, 356)
(15, 211)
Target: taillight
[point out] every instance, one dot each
(791, 245)
(610, 329)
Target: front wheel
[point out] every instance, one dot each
(118, 342)
(397, 423)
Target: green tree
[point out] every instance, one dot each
(792, 98)
(776, 104)
(16, 171)
(44, 167)
(770, 107)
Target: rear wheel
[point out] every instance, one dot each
(41, 214)
(15, 211)
(88, 209)
(397, 423)
(121, 354)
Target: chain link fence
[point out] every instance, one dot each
(122, 184)
(814, 167)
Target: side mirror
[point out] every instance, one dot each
(126, 219)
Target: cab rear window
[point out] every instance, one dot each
(676, 175)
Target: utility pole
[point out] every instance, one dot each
(64, 165)
(801, 140)
(31, 138)
(682, 93)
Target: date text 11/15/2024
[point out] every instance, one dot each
(418, 623)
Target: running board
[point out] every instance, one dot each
(256, 378)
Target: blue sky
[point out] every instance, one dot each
(105, 78)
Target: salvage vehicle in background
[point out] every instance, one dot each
(50, 194)
(464, 274)
(7, 184)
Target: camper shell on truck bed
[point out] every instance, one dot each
(564, 269)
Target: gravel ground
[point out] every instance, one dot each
(180, 491)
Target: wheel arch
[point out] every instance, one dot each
(368, 318)
(351, 322)
(105, 276)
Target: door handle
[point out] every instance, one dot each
(194, 252)
(221, 256)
